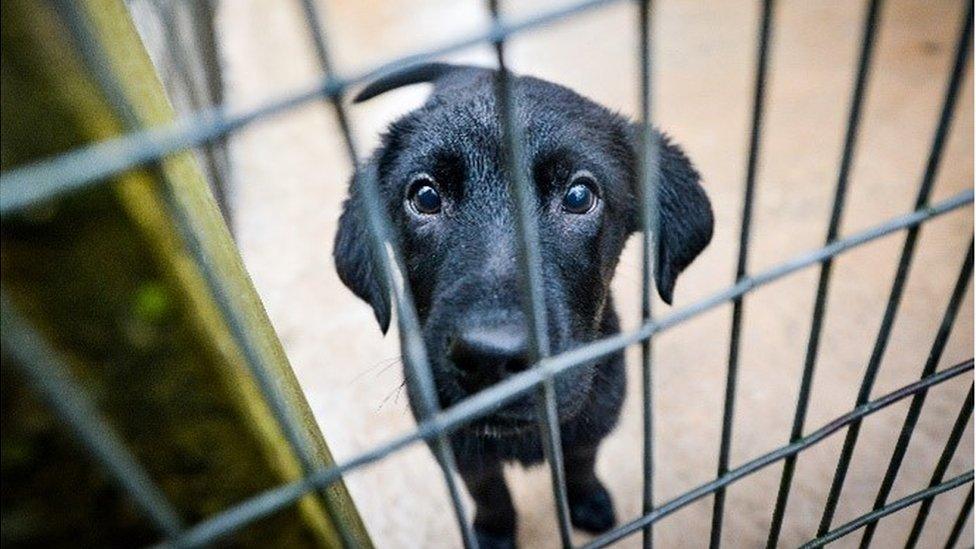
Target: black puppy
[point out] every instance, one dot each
(441, 172)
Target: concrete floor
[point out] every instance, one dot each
(291, 177)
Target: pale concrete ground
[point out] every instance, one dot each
(291, 178)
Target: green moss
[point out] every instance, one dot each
(151, 301)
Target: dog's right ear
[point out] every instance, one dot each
(685, 220)
(353, 253)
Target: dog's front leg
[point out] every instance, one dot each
(494, 520)
(590, 506)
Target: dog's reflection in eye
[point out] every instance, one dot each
(441, 171)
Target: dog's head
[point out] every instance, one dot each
(441, 173)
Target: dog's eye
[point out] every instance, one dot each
(423, 196)
(580, 198)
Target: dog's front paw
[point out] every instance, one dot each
(490, 540)
(592, 511)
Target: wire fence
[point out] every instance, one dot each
(96, 164)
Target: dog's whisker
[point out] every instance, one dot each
(378, 367)
(394, 394)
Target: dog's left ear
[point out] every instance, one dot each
(353, 254)
(684, 213)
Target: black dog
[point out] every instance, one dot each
(441, 172)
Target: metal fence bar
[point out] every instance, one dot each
(52, 379)
(776, 455)
(648, 173)
(958, 429)
(534, 296)
(915, 410)
(417, 359)
(270, 501)
(386, 250)
(728, 407)
(823, 281)
(214, 153)
(904, 264)
(874, 516)
(95, 163)
(313, 21)
(957, 526)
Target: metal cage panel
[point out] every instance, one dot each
(90, 166)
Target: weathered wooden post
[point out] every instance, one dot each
(137, 287)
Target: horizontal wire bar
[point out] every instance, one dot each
(453, 417)
(765, 460)
(496, 396)
(52, 379)
(874, 516)
(278, 498)
(805, 260)
(78, 168)
(271, 501)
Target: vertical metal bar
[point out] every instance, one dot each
(322, 53)
(823, 283)
(967, 507)
(759, 98)
(386, 251)
(648, 172)
(203, 16)
(51, 378)
(385, 244)
(915, 409)
(314, 22)
(958, 428)
(535, 305)
(904, 263)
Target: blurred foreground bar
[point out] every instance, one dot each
(109, 280)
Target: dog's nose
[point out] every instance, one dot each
(487, 355)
